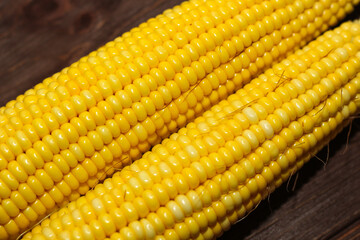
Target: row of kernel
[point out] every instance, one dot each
(170, 207)
(137, 192)
(243, 192)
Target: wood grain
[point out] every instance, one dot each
(39, 38)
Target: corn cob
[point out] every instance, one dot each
(60, 138)
(209, 174)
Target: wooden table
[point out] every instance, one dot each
(39, 38)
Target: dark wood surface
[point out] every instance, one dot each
(40, 37)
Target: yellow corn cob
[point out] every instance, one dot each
(60, 138)
(208, 175)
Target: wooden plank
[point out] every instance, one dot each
(350, 232)
(39, 38)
